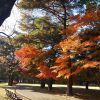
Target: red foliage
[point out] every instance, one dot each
(27, 52)
(91, 64)
(45, 72)
(61, 59)
(26, 55)
(80, 43)
(72, 45)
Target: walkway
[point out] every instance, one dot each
(33, 92)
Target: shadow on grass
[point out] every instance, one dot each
(78, 92)
(87, 94)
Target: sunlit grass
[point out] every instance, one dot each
(3, 93)
(3, 84)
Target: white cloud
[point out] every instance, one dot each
(9, 24)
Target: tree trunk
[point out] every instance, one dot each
(70, 80)
(69, 86)
(10, 80)
(65, 15)
(42, 83)
(50, 82)
(87, 84)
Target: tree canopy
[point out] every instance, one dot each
(77, 39)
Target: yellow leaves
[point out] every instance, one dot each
(61, 59)
(58, 67)
(60, 63)
(91, 64)
(79, 69)
(25, 62)
(41, 76)
(2, 59)
(88, 43)
(71, 43)
(66, 73)
(62, 72)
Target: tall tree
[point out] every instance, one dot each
(44, 35)
(7, 49)
(59, 9)
(80, 48)
(69, 43)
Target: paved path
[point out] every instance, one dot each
(33, 92)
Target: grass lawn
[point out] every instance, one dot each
(34, 92)
(3, 84)
(3, 94)
(2, 91)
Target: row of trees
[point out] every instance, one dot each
(53, 51)
(8, 62)
(73, 50)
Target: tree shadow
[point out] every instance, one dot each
(87, 94)
(55, 90)
(80, 93)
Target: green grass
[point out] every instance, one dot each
(3, 84)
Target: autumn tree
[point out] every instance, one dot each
(32, 58)
(43, 33)
(74, 42)
(79, 49)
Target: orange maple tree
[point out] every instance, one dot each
(32, 57)
(81, 39)
(78, 50)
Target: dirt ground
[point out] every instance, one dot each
(3, 94)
